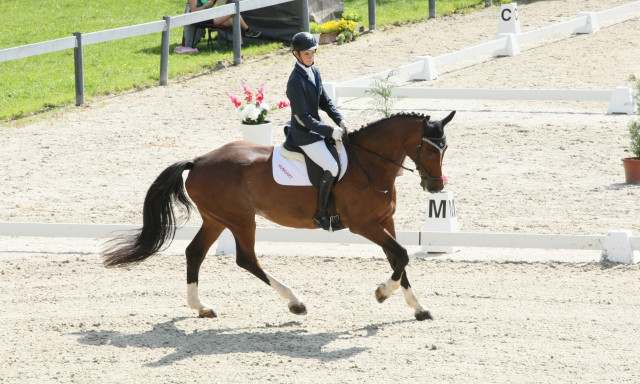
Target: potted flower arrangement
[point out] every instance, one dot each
(253, 112)
(328, 32)
(632, 164)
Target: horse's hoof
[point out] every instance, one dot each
(381, 297)
(423, 315)
(208, 313)
(298, 309)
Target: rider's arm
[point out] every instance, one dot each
(302, 106)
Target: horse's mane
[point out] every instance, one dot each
(372, 125)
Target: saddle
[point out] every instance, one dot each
(315, 172)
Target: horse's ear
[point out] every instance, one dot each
(447, 119)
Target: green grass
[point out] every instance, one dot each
(40, 83)
(389, 12)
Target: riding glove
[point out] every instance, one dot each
(337, 134)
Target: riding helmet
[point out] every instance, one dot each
(303, 41)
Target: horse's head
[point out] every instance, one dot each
(430, 152)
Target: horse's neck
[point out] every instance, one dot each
(391, 140)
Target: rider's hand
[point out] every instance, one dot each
(337, 134)
(344, 125)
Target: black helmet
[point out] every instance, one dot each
(303, 41)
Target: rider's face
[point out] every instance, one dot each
(307, 57)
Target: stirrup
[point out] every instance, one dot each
(323, 222)
(328, 223)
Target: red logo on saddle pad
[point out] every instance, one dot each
(284, 170)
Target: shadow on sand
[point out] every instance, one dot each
(287, 339)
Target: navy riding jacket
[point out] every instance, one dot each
(305, 99)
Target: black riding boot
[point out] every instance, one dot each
(322, 219)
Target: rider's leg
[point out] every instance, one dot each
(319, 153)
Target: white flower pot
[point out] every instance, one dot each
(258, 133)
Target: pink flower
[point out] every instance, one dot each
(260, 96)
(445, 181)
(253, 102)
(247, 92)
(234, 99)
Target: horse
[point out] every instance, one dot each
(232, 184)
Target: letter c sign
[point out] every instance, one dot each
(506, 14)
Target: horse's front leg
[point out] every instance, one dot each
(384, 235)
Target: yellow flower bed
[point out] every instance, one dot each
(332, 26)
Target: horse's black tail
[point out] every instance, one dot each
(158, 225)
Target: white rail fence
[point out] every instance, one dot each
(611, 244)
(425, 68)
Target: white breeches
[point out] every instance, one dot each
(319, 153)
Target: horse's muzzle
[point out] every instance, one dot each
(432, 186)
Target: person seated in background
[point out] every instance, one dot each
(226, 21)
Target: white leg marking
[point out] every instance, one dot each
(412, 300)
(192, 297)
(389, 287)
(284, 291)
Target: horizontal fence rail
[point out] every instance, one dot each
(44, 47)
(492, 94)
(206, 14)
(123, 33)
(407, 238)
(618, 12)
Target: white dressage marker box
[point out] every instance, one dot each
(441, 217)
(617, 248)
(509, 21)
(622, 101)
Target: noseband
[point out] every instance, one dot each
(440, 144)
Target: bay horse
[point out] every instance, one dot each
(233, 183)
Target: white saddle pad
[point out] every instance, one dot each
(289, 167)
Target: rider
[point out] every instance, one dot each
(306, 94)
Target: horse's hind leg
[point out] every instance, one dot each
(245, 236)
(196, 252)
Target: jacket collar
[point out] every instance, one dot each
(307, 74)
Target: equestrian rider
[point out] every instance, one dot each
(306, 94)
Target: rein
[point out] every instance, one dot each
(439, 143)
(380, 157)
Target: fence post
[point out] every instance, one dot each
(78, 69)
(432, 9)
(164, 51)
(305, 16)
(372, 15)
(237, 43)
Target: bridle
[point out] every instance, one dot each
(440, 143)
